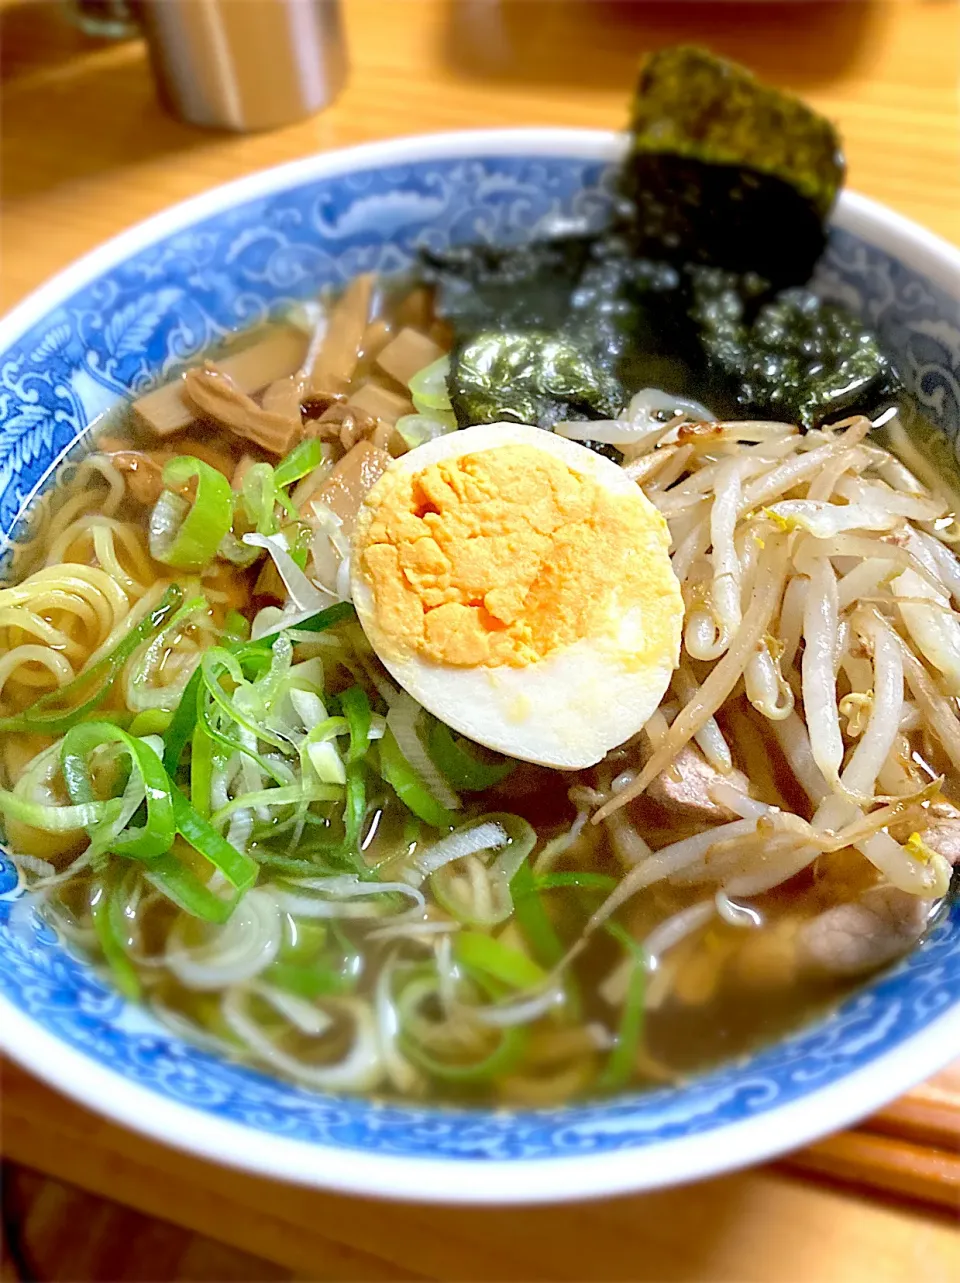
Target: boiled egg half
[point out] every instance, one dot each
(519, 587)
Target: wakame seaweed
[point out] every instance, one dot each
(727, 171)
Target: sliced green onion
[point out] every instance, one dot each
(428, 387)
(351, 962)
(454, 889)
(621, 1064)
(255, 657)
(453, 892)
(58, 819)
(215, 701)
(284, 795)
(47, 716)
(523, 839)
(152, 721)
(259, 495)
(599, 882)
(409, 787)
(283, 499)
(298, 536)
(111, 946)
(152, 658)
(480, 952)
(240, 870)
(418, 429)
(304, 866)
(463, 770)
(308, 937)
(624, 938)
(411, 831)
(311, 980)
(268, 683)
(446, 418)
(236, 628)
(191, 543)
(216, 663)
(355, 808)
(172, 878)
(188, 710)
(507, 1052)
(144, 842)
(236, 551)
(318, 752)
(201, 771)
(182, 724)
(355, 706)
(533, 918)
(303, 458)
(338, 613)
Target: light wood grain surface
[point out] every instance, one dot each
(62, 1233)
(85, 151)
(756, 1227)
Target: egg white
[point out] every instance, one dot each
(568, 710)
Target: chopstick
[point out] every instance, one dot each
(929, 1115)
(910, 1149)
(881, 1163)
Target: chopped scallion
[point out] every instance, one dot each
(462, 769)
(111, 946)
(172, 878)
(602, 883)
(355, 707)
(236, 629)
(409, 787)
(191, 543)
(143, 842)
(622, 1060)
(308, 980)
(152, 721)
(240, 870)
(533, 919)
(184, 720)
(303, 458)
(480, 952)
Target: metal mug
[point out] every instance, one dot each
(245, 64)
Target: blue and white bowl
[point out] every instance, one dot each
(147, 303)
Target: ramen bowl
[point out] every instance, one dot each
(141, 307)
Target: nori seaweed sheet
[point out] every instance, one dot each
(532, 377)
(623, 323)
(801, 360)
(590, 295)
(685, 290)
(491, 287)
(726, 171)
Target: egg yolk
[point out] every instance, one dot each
(505, 556)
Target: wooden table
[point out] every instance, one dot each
(86, 151)
(755, 1227)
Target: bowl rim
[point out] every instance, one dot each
(468, 1180)
(922, 250)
